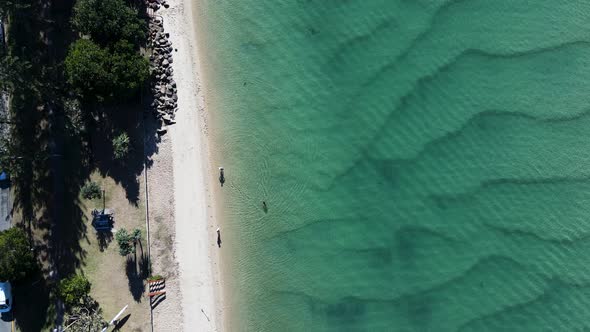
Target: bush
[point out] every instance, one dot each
(155, 277)
(124, 240)
(74, 290)
(91, 190)
(127, 241)
(121, 146)
(17, 260)
(108, 21)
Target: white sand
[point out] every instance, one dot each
(195, 250)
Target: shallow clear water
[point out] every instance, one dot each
(426, 164)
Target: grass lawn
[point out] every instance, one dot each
(117, 281)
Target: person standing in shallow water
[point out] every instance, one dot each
(221, 176)
(218, 237)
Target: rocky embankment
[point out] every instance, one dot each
(163, 86)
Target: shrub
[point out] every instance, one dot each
(17, 260)
(124, 240)
(127, 241)
(121, 146)
(91, 190)
(155, 277)
(74, 290)
(108, 21)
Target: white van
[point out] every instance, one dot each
(5, 297)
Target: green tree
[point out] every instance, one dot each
(136, 235)
(99, 74)
(17, 260)
(121, 146)
(12, 71)
(86, 68)
(108, 21)
(74, 290)
(124, 240)
(9, 6)
(91, 190)
(129, 70)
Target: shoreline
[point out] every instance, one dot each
(197, 258)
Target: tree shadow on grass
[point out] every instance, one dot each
(136, 281)
(144, 262)
(104, 239)
(137, 272)
(32, 304)
(50, 157)
(111, 121)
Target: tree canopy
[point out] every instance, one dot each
(74, 290)
(98, 73)
(86, 68)
(128, 69)
(127, 241)
(12, 72)
(9, 6)
(17, 260)
(108, 21)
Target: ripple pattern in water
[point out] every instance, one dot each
(426, 163)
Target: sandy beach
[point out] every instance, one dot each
(194, 296)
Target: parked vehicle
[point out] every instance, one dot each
(5, 297)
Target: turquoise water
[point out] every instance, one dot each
(426, 164)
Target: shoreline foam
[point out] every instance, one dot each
(197, 257)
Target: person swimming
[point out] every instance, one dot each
(264, 207)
